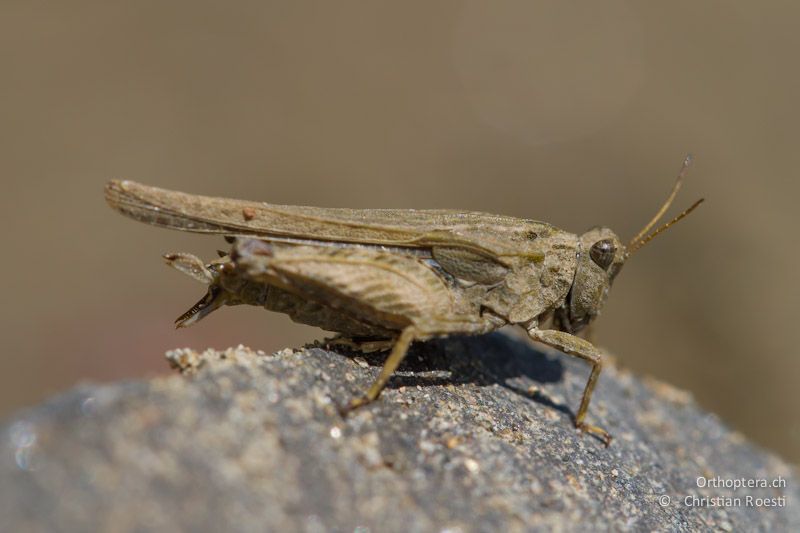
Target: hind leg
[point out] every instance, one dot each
(397, 294)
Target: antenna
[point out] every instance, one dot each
(638, 244)
(642, 237)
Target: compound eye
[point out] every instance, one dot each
(602, 253)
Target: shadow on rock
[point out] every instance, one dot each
(486, 360)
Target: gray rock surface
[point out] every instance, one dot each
(473, 434)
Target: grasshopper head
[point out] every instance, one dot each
(212, 274)
(600, 258)
(601, 255)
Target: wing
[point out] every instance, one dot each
(490, 236)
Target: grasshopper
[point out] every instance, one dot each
(399, 275)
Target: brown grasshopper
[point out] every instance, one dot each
(398, 275)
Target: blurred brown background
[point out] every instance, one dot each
(574, 113)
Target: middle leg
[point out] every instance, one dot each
(399, 352)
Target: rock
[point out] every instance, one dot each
(473, 434)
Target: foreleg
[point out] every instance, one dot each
(572, 345)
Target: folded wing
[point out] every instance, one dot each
(479, 233)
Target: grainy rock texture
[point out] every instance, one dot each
(473, 434)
